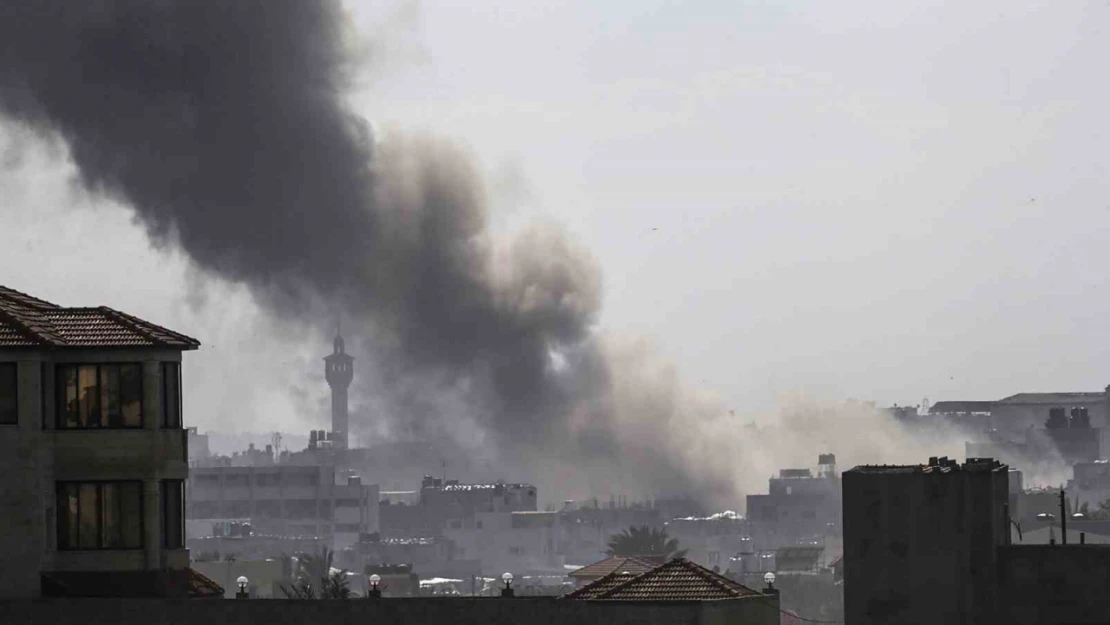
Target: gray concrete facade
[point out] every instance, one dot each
(35, 455)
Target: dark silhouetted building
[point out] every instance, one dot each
(920, 541)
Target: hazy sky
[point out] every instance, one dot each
(842, 199)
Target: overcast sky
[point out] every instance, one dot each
(849, 199)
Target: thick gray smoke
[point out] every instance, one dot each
(223, 125)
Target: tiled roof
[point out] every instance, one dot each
(677, 580)
(601, 586)
(616, 564)
(26, 321)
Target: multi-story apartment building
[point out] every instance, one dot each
(284, 500)
(92, 449)
(799, 506)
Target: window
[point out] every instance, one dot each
(171, 395)
(9, 380)
(173, 517)
(44, 377)
(100, 396)
(100, 515)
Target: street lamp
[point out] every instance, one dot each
(507, 591)
(243, 582)
(375, 592)
(769, 578)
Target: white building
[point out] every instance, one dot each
(93, 452)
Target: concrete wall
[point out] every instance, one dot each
(33, 455)
(1048, 585)
(920, 548)
(457, 611)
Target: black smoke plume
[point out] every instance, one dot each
(223, 125)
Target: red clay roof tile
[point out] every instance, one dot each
(26, 321)
(677, 580)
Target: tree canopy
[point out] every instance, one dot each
(644, 540)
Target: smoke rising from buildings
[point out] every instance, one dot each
(224, 127)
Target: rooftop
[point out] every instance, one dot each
(617, 564)
(26, 321)
(935, 466)
(676, 580)
(961, 407)
(1053, 398)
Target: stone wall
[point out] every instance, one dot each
(456, 611)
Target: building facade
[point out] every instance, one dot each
(920, 541)
(284, 500)
(91, 444)
(799, 506)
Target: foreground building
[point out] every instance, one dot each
(93, 452)
(709, 597)
(920, 541)
(932, 544)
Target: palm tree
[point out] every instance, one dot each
(315, 578)
(644, 540)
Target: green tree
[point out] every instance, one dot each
(644, 540)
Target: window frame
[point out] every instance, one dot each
(60, 527)
(164, 496)
(14, 364)
(61, 406)
(166, 368)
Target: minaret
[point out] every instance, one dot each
(339, 370)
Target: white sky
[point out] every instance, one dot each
(860, 199)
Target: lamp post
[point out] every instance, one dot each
(507, 591)
(375, 592)
(242, 582)
(769, 578)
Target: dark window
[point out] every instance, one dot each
(171, 395)
(44, 378)
(9, 406)
(100, 515)
(100, 396)
(173, 517)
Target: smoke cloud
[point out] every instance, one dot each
(224, 126)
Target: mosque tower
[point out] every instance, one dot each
(339, 370)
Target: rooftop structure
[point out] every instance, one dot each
(676, 580)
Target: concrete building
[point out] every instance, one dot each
(522, 541)
(920, 541)
(799, 506)
(198, 447)
(92, 447)
(286, 500)
(711, 540)
(1024, 410)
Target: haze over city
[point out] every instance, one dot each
(789, 206)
